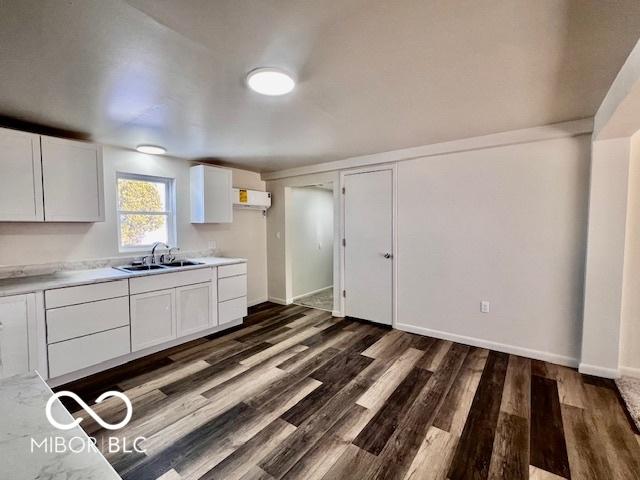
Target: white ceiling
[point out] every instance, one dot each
(374, 75)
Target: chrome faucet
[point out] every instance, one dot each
(169, 256)
(153, 250)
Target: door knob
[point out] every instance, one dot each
(387, 255)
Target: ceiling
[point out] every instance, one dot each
(374, 75)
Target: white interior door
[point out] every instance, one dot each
(368, 254)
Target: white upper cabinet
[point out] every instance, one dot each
(72, 181)
(211, 194)
(49, 179)
(20, 177)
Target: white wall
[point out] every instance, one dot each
(311, 226)
(32, 243)
(630, 328)
(507, 225)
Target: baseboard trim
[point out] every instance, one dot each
(312, 292)
(500, 347)
(336, 313)
(279, 301)
(598, 371)
(630, 371)
(257, 302)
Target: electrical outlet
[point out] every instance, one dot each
(484, 306)
(212, 244)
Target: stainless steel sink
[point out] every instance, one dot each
(182, 263)
(158, 266)
(140, 268)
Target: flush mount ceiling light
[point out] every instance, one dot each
(270, 81)
(151, 149)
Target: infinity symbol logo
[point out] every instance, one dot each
(89, 410)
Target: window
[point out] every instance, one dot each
(146, 211)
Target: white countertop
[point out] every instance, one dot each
(23, 399)
(20, 285)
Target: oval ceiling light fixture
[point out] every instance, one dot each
(151, 149)
(270, 81)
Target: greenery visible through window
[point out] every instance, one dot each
(146, 213)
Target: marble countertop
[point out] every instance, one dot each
(22, 405)
(20, 285)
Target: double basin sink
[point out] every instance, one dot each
(157, 266)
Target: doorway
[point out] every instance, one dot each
(311, 235)
(368, 246)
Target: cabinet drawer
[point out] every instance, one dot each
(232, 310)
(78, 320)
(162, 281)
(232, 270)
(232, 287)
(61, 297)
(72, 355)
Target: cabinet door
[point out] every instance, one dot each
(16, 316)
(72, 181)
(194, 307)
(211, 194)
(153, 318)
(20, 177)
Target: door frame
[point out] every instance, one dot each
(301, 182)
(393, 167)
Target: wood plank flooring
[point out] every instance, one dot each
(297, 394)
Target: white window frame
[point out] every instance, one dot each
(170, 196)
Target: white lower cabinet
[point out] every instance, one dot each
(74, 321)
(194, 308)
(82, 352)
(232, 310)
(153, 318)
(17, 331)
(87, 325)
(232, 293)
(232, 287)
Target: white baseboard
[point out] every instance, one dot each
(500, 347)
(280, 301)
(312, 292)
(598, 371)
(257, 301)
(630, 372)
(336, 313)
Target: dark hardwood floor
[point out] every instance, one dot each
(295, 393)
